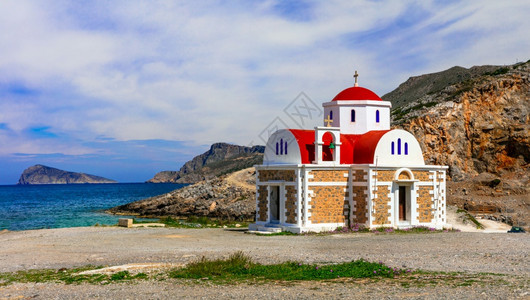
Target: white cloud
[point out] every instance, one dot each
(211, 71)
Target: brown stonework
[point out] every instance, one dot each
(361, 207)
(358, 176)
(290, 204)
(382, 206)
(285, 175)
(404, 176)
(425, 202)
(329, 176)
(262, 202)
(385, 175)
(421, 175)
(328, 204)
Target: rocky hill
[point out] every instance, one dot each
(222, 158)
(40, 174)
(230, 196)
(479, 126)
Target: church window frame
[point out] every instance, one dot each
(392, 146)
(331, 115)
(406, 148)
(377, 117)
(399, 147)
(353, 115)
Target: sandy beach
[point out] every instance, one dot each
(499, 253)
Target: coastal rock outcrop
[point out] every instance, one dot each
(40, 174)
(221, 158)
(229, 197)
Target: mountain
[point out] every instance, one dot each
(40, 174)
(221, 158)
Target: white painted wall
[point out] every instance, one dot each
(383, 151)
(365, 115)
(293, 151)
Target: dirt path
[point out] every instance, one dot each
(153, 247)
(239, 178)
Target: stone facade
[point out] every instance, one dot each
(328, 204)
(425, 202)
(262, 203)
(384, 175)
(268, 175)
(381, 205)
(328, 176)
(290, 204)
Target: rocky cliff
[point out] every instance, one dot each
(221, 158)
(478, 125)
(230, 196)
(40, 174)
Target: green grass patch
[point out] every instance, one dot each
(197, 222)
(67, 276)
(239, 267)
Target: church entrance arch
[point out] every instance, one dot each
(403, 185)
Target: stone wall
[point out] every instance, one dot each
(290, 204)
(425, 201)
(422, 175)
(262, 203)
(268, 175)
(328, 176)
(361, 207)
(381, 204)
(328, 204)
(358, 176)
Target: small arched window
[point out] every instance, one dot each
(392, 149)
(331, 115)
(285, 147)
(353, 115)
(277, 147)
(281, 146)
(377, 116)
(406, 148)
(399, 147)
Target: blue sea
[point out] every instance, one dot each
(24, 207)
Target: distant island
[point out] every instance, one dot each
(40, 174)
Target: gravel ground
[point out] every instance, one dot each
(472, 253)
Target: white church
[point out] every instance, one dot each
(352, 170)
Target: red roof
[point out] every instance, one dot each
(354, 149)
(356, 93)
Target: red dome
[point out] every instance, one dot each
(357, 93)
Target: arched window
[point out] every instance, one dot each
(277, 149)
(281, 146)
(331, 115)
(392, 151)
(353, 115)
(399, 147)
(406, 148)
(377, 116)
(285, 147)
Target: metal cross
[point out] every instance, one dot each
(355, 76)
(328, 121)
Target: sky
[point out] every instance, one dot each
(125, 89)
